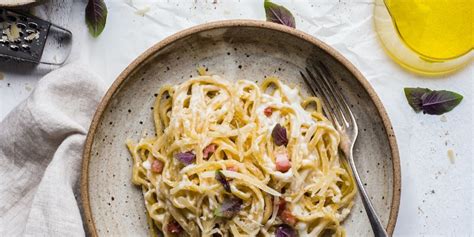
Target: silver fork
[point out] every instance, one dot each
(337, 110)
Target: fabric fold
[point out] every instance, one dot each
(41, 143)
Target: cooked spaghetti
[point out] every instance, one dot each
(238, 159)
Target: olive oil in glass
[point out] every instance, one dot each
(429, 37)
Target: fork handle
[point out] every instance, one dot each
(377, 227)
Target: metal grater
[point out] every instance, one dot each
(25, 38)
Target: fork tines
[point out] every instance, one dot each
(334, 105)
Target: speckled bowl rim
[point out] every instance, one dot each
(91, 229)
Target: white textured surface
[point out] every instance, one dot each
(436, 193)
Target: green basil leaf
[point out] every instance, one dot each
(414, 95)
(440, 102)
(96, 16)
(278, 14)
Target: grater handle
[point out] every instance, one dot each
(57, 46)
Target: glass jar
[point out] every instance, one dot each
(426, 37)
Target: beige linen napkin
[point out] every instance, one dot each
(41, 144)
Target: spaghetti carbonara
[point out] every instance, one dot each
(239, 159)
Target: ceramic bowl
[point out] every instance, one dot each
(237, 49)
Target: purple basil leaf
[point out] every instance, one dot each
(414, 95)
(96, 16)
(278, 14)
(440, 102)
(186, 158)
(221, 178)
(230, 207)
(285, 230)
(279, 135)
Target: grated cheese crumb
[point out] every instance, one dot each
(451, 156)
(143, 11)
(201, 71)
(146, 164)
